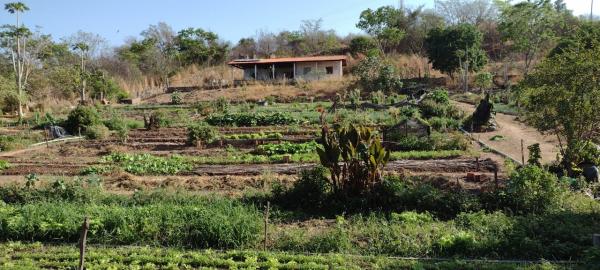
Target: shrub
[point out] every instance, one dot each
(157, 119)
(4, 165)
(119, 125)
(354, 156)
(176, 98)
(308, 193)
(531, 189)
(81, 118)
(375, 74)
(439, 95)
(354, 97)
(201, 134)
(97, 132)
(377, 97)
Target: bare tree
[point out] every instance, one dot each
(266, 43)
(466, 11)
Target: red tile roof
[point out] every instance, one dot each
(288, 60)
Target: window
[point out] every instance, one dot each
(329, 70)
(307, 70)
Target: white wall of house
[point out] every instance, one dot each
(319, 70)
(304, 70)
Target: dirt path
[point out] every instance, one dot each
(512, 131)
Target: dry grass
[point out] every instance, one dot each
(325, 89)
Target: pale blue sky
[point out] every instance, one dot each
(116, 20)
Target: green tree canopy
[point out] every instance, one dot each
(450, 47)
(561, 97)
(197, 46)
(529, 27)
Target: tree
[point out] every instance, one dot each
(456, 47)
(466, 11)
(164, 51)
(17, 35)
(529, 26)
(382, 24)
(83, 49)
(362, 45)
(560, 97)
(197, 46)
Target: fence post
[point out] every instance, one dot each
(46, 135)
(267, 225)
(84, 229)
(522, 153)
(477, 161)
(496, 177)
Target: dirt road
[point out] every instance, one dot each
(511, 132)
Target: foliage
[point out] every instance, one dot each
(530, 26)
(146, 164)
(251, 136)
(311, 191)
(120, 125)
(250, 119)
(535, 155)
(156, 120)
(374, 74)
(464, 48)
(214, 224)
(36, 256)
(176, 98)
(82, 117)
(439, 95)
(4, 165)
(484, 80)
(201, 134)
(286, 148)
(560, 98)
(197, 46)
(354, 97)
(19, 141)
(361, 155)
(97, 132)
(531, 189)
(363, 45)
(377, 97)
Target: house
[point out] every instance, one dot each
(292, 68)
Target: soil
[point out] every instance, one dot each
(512, 131)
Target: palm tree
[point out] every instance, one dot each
(17, 8)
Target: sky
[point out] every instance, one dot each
(116, 20)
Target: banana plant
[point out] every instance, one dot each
(354, 156)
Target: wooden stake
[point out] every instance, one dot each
(496, 177)
(477, 161)
(267, 225)
(84, 229)
(46, 135)
(522, 153)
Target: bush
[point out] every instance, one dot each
(376, 75)
(310, 192)
(119, 125)
(157, 119)
(97, 132)
(531, 189)
(81, 118)
(439, 95)
(176, 98)
(201, 134)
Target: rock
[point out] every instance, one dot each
(591, 173)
